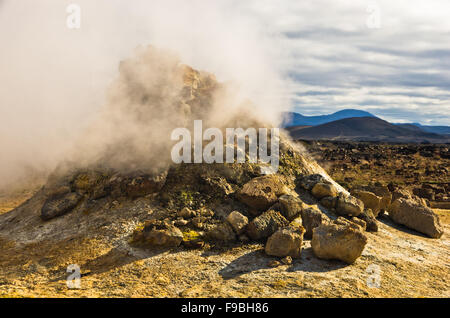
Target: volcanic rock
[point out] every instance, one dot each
(262, 192)
(237, 221)
(342, 242)
(58, 205)
(312, 218)
(349, 205)
(266, 224)
(291, 206)
(416, 217)
(286, 242)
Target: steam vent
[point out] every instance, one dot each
(121, 204)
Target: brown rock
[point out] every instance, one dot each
(349, 205)
(237, 221)
(371, 222)
(370, 200)
(329, 202)
(60, 204)
(286, 242)
(417, 217)
(291, 206)
(342, 242)
(160, 234)
(321, 190)
(222, 232)
(262, 192)
(312, 218)
(266, 224)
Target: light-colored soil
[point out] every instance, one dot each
(410, 265)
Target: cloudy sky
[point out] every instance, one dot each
(338, 56)
(391, 58)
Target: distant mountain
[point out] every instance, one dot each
(296, 119)
(366, 129)
(434, 129)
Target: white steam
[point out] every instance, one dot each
(54, 80)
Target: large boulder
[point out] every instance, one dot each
(291, 206)
(349, 205)
(60, 204)
(266, 224)
(237, 221)
(286, 242)
(417, 217)
(262, 192)
(312, 218)
(335, 241)
(370, 200)
(322, 189)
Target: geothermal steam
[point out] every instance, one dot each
(62, 88)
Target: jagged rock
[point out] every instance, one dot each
(59, 204)
(342, 242)
(370, 200)
(312, 218)
(145, 184)
(266, 224)
(262, 192)
(222, 232)
(291, 206)
(417, 217)
(159, 234)
(237, 221)
(371, 222)
(321, 190)
(349, 205)
(329, 202)
(308, 182)
(286, 242)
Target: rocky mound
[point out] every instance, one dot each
(146, 201)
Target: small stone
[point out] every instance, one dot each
(286, 260)
(274, 263)
(237, 221)
(222, 232)
(186, 213)
(180, 222)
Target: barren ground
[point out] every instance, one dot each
(410, 264)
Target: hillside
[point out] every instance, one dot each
(296, 119)
(365, 128)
